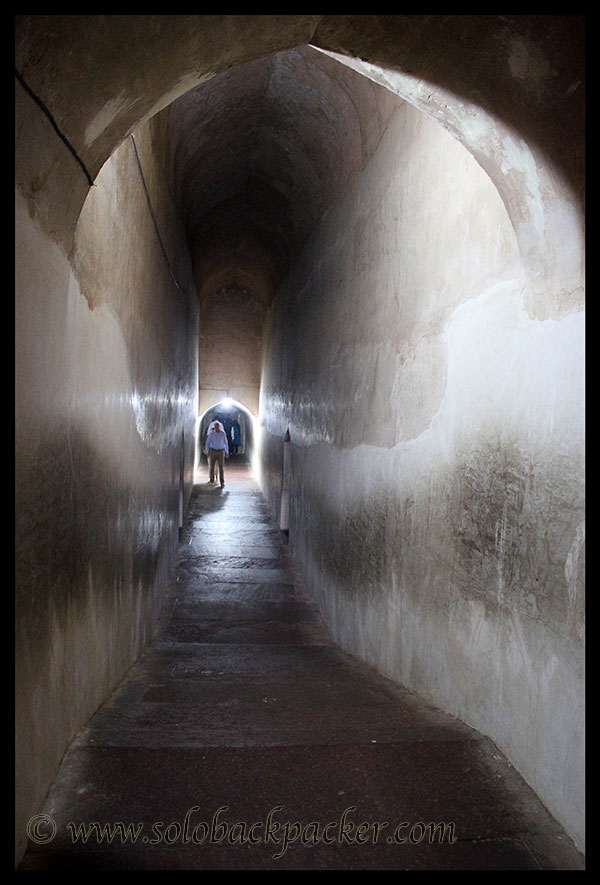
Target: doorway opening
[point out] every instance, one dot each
(237, 422)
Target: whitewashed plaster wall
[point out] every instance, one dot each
(437, 451)
(106, 384)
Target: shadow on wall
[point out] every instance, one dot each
(237, 422)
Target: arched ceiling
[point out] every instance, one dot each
(511, 88)
(257, 154)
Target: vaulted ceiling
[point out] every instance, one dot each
(258, 153)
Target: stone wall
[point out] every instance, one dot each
(230, 351)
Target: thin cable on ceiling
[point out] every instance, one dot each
(54, 124)
(153, 216)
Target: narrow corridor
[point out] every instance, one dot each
(245, 739)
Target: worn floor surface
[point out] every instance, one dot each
(244, 739)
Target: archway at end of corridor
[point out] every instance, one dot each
(239, 425)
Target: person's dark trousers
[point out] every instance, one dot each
(216, 458)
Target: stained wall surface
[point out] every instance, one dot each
(230, 349)
(436, 502)
(106, 406)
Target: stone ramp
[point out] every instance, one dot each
(244, 739)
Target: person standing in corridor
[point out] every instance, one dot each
(217, 449)
(236, 438)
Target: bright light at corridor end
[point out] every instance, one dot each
(223, 405)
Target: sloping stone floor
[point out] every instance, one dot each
(244, 739)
